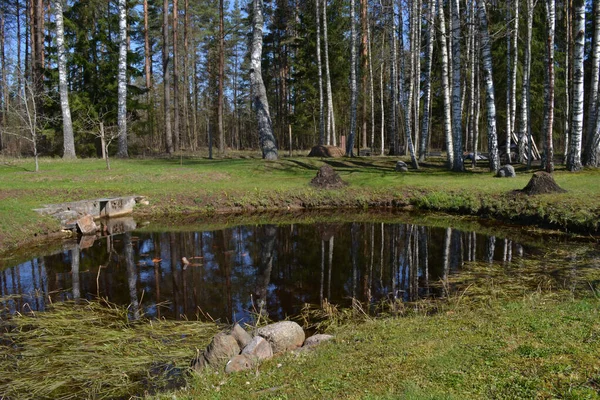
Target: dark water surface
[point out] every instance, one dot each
(229, 274)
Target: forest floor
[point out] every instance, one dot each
(503, 332)
(178, 187)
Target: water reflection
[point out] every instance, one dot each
(229, 274)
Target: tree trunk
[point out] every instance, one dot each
(147, 54)
(508, 79)
(525, 138)
(68, 139)
(393, 102)
(489, 89)
(372, 87)
(568, 75)
(549, 114)
(267, 140)
(593, 101)
(122, 90)
(186, 78)
(3, 80)
(176, 95)
(472, 66)
(447, 118)
(331, 138)
(353, 83)
(365, 68)
(513, 79)
(221, 78)
(320, 73)
(166, 79)
(430, 39)
(574, 155)
(458, 164)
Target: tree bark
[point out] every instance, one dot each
(525, 138)
(353, 83)
(331, 132)
(176, 95)
(574, 155)
(508, 79)
(489, 89)
(593, 100)
(320, 73)
(267, 140)
(147, 54)
(221, 78)
(68, 139)
(122, 89)
(447, 118)
(549, 114)
(430, 38)
(365, 68)
(167, 79)
(458, 164)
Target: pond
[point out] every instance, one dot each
(233, 273)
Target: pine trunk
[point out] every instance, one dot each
(593, 100)
(267, 141)
(122, 89)
(221, 78)
(574, 155)
(176, 95)
(68, 139)
(447, 117)
(489, 89)
(167, 79)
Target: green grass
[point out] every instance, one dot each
(205, 187)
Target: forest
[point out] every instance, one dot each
(515, 80)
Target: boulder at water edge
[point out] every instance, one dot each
(259, 348)
(220, 350)
(241, 362)
(283, 336)
(241, 336)
(316, 340)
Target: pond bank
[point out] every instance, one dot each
(203, 187)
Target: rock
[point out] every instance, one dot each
(506, 171)
(326, 151)
(283, 336)
(241, 336)
(86, 225)
(241, 362)
(258, 348)
(401, 166)
(541, 183)
(316, 340)
(327, 178)
(221, 349)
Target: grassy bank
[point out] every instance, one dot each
(205, 187)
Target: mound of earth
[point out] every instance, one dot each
(326, 151)
(327, 178)
(542, 183)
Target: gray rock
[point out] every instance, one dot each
(241, 362)
(259, 348)
(220, 350)
(506, 171)
(241, 336)
(86, 225)
(316, 340)
(283, 336)
(401, 166)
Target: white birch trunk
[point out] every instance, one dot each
(458, 164)
(525, 144)
(407, 96)
(122, 84)
(267, 141)
(68, 138)
(574, 155)
(473, 65)
(508, 79)
(393, 137)
(430, 39)
(548, 160)
(331, 139)
(353, 84)
(489, 89)
(167, 80)
(382, 143)
(320, 73)
(447, 118)
(593, 99)
(513, 79)
(372, 87)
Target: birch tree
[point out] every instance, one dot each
(548, 161)
(122, 90)
(353, 83)
(320, 73)
(458, 164)
(525, 138)
(267, 141)
(574, 155)
(331, 139)
(489, 89)
(429, 39)
(446, 118)
(68, 139)
(593, 99)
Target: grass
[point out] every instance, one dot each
(91, 350)
(197, 186)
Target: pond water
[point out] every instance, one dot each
(231, 274)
